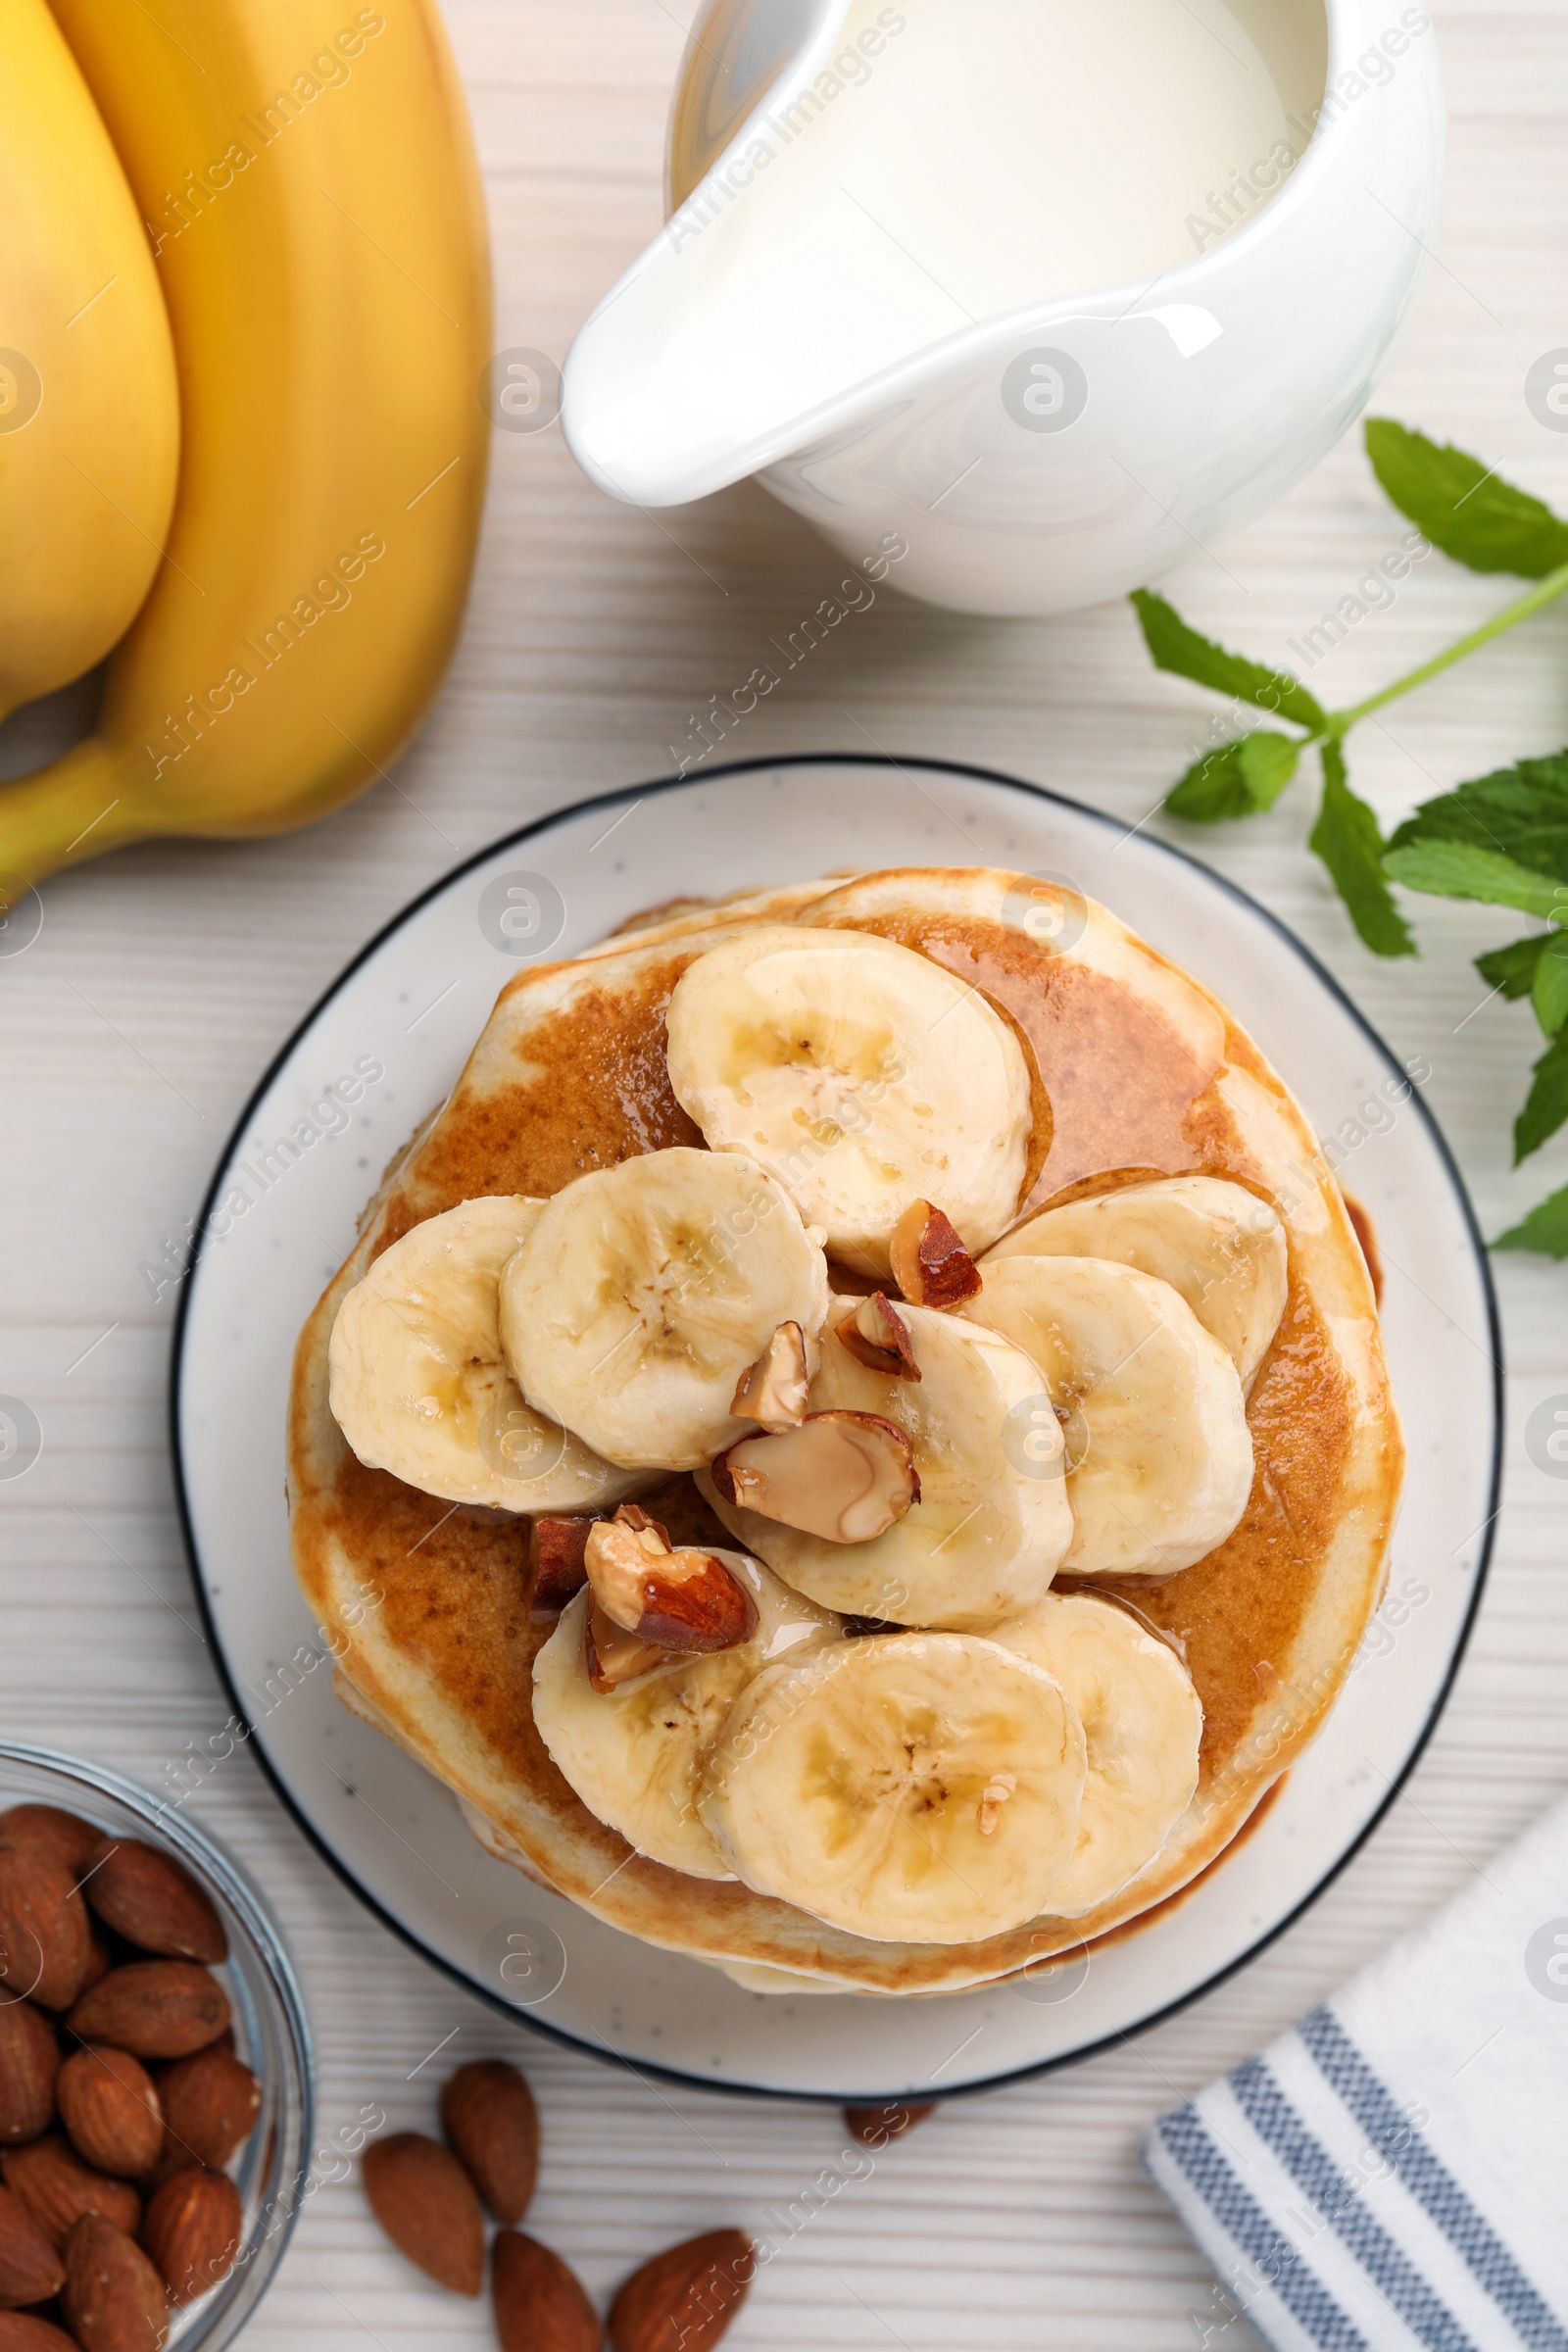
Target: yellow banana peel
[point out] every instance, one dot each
(308, 184)
(90, 408)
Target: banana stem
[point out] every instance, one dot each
(74, 809)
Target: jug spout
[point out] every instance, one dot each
(877, 181)
(768, 298)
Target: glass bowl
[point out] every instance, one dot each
(272, 2034)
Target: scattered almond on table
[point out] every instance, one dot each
(429, 2200)
(492, 2125)
(428, 2207)
(874, 2127)
(684, 2299)
(120, 2103)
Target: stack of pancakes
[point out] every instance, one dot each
(1137, 1072)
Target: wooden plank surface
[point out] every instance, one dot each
(165, 977)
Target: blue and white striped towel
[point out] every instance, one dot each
(1393, 2172)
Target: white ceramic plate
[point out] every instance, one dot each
(412, 1005)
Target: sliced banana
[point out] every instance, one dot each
(992, 1524)
(1220, 1245)
(910, 1787)
(635, 1757)
(1159, 1457)
(1142, 1722)
(861, 1074)
(419, 1385)
(646, 1291)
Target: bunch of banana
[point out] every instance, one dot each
(89, 412)
(309, 186)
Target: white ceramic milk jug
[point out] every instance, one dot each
(1059, 291)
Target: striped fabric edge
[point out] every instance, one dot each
(1426, 2178)
(1186, 2139)
(1339, 2203)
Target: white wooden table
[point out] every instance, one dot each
(164, 978)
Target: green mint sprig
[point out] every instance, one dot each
(1502, 840)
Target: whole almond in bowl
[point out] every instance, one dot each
(110, 2107)
(61, 1837)
(540, 2304)
(154, 2008)
(30, 2270)
(428, 2207)
(211, 2103)
(58, 2189)
(24, 2332)
(192, 2231)
(145, 1895)
(43, 1930)
(492, 2126)
(30, 2061)
(113, 2299)
(685, 2298)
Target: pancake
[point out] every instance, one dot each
(1137, 1071)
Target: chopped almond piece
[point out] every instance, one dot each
(930, 1263)
(613, 1656)
(774, 1391)
(632, 1514)
(683, 1600)
(845, 1477)
(557, 1569)
(877, 1335)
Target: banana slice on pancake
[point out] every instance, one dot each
(646, 1291)
(419, 1385)
(1160, 1455)
(636, 1755)
(1220, 1245)
(1142, 1722)
(863, 1075)
(992, 1523)
(908, 1788)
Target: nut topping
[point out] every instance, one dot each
(614, 1657)
(557, 1569)
(877, 1335)
(845, 1477)
(682, 1600)
(930, 1263)
(773, 1392)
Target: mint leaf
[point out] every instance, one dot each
(1550, 989)
(1347, 840)
(1182, 651)
(1548, 1107)
(1268, 761)
(1237, 780)
(1454, 869)
(1463, 507)
(1513, 968)
(1213, 789)
(1545, 1230)
(1521, 810)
